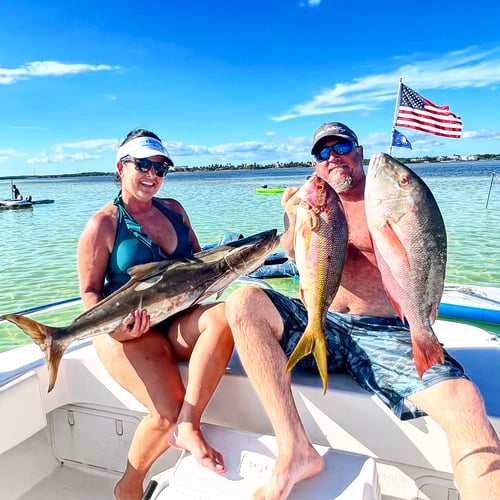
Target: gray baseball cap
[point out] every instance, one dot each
(332, 129)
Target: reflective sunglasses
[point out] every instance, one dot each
(341, 148)
(144, 165)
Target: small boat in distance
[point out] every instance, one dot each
(15, 204)
(265, 189)
(25, 203)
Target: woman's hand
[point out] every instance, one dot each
(133, 326)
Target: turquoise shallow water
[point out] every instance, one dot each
(38, 245)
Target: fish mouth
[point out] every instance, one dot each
(248, 254)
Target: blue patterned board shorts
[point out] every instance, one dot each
(375, 351)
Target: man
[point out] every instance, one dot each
(266, 327)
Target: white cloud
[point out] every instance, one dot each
(48, 68)
(459, 69)
(97, 144)
(60, 157)
(8, 154)
(60, 154)
(490, 134)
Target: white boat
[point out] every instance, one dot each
(72, 443)
(26, 203)
(13, 204)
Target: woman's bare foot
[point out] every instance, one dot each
(186, 437)
(123, 493)
(288, 472)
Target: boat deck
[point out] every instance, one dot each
(61, 479)
(77, 483)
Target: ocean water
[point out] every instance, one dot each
(38, 245)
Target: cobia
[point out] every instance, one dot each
(162, 288)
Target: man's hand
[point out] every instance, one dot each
(289, 202)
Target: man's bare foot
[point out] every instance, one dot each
(190, 439)
(288, 472)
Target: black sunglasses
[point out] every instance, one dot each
(341, 148)
(144, 165)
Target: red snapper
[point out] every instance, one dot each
(409, 240)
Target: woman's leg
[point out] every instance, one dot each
(201, 335)
(147, 368)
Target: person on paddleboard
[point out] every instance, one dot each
(16, 194)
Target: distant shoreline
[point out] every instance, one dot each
(229, 167)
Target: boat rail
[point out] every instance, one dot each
(53, 306)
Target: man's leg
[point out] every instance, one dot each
(257, 328)
(458, 408)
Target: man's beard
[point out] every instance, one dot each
(342, 186)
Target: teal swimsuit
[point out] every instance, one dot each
(132, 247)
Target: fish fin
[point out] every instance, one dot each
(313, 220)
(142, 271)
(393, 242)
(315, 343)
(434, 312)
(302, 295)
(42, 335)
(398, 247)
(427, 351)
(397, 306)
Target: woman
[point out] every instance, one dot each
(135, 229)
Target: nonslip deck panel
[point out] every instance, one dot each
(249, 459)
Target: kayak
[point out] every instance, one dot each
(269, 190)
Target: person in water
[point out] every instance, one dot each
(364, 336)
(137, 228)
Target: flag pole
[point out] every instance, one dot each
(396, 110)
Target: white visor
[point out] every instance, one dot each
(143, 147)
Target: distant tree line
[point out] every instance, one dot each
(242, 166)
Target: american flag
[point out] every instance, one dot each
(421, 114)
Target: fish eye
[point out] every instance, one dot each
(404, 180)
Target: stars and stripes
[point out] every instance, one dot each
(419, 113)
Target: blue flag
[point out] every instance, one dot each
(399, 140)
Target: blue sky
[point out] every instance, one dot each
(237, 82)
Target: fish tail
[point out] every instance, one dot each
(302, 349)
(312, 341)
(42, 335)
(319, 354)
(427, 351)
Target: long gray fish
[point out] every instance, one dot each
(162, 288)
(409, 239)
